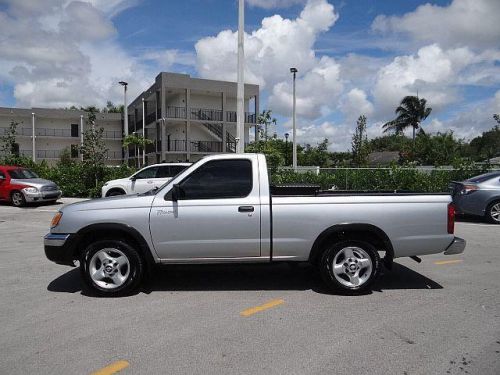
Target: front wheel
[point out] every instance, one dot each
(350, 266)
(111, 268)
(493, 213)
(17, 199)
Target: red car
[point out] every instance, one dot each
(19, 186)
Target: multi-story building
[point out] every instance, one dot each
(59, 129)
(187, 118)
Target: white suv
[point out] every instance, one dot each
(147, 178)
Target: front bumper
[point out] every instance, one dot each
(60, 248)
(456, 247)
(42, 196)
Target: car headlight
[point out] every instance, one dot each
(30, 190)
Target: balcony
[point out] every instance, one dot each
(60, 133)
(250, 118)
(175, 112)
(206, 114)
(150, 117)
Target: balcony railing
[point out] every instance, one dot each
(206, 114)
(194, 146)
(250, 118)
(176, 112)
(60, 133)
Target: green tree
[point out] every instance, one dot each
(411, 112)
(360, 146)
(314, 156)
(265, 120)
(138, 141)
(93, 148)
(8, 140)
(111, 108)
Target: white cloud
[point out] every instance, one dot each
(356, 104)
(271, 50)
(462, 23)
(270, 4)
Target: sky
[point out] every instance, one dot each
(354, 57)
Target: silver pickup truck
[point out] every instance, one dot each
(223, 210)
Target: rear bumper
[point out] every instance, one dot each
(59, 248)
(456, 247)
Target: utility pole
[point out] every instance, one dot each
(240, 105)
(33, 135)
(294, 125)
(143, 133)
(81, 136)
(125, 114)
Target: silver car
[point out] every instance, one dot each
(478, 196)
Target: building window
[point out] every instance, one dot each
(74, 151)
(74, 130)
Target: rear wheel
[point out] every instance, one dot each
(493, 212)
(350, 266)
(111, 268)
(17, 199)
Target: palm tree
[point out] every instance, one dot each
(138, 141)
(411, 112)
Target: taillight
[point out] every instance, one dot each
(467, 189)
(451, 218)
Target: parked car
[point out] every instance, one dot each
(478, 196)
(20, 186)
(223, 210)
(144, 180)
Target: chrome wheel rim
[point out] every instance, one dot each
(17, 199)
(495, 212)
(109, 268)
(352, 266)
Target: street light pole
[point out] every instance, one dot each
(294, 129)
(143, 133)
(286, 148)
(33, 136)
(125, 114)
(240, 104)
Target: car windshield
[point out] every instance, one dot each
(484, 177)
(22, 174)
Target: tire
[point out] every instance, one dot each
(493, 212)
(115, 192)
(17, 199)
(357, 266)
(111, 268)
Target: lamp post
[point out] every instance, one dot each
(240, 104)
(294, 130)
(125, 114)
(143, 133)
(286, 148)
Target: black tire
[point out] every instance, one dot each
(325, 266)
(135, 272)
(115, 192)
(17, 199)
(492, 207)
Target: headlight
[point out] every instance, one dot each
(30, 190)
(56, 219)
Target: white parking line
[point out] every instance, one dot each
(480, 224)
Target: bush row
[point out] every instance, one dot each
(395, 178)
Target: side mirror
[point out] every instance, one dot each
(2, 178)
(133, 178)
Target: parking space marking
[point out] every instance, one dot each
(440, 262)
(265, 306)
(112, 368)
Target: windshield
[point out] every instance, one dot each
(22, 174)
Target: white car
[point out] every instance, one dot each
(148, 178)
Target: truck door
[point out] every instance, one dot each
(3, 185)
(217, 214)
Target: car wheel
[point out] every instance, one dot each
(350, 266)
(493, 213)
(114, 193)
(111, 268)
(17, 199)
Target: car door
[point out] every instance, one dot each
(217, 214)
(3, 184)
(143, 180)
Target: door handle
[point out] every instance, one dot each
(245, 209)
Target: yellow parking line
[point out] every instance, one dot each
(112, 368)
(265, 306)
(448, 261)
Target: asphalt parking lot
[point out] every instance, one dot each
(441, 316)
